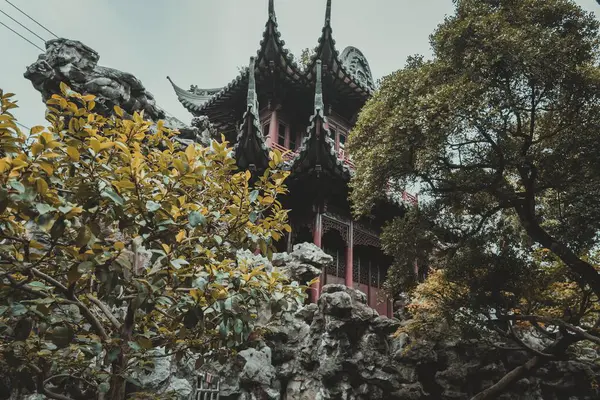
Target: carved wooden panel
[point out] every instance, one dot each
(343, 228)
(363, 237)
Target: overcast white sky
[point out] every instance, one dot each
(203, 42)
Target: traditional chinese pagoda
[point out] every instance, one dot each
(306, 113)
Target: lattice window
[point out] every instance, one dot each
(364, 271)
(356, 265)
(338, 267)
(374, 275)
(208, 387)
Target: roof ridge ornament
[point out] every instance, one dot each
(272, 10)
(252, 100)
(319, 106)
(328, 13)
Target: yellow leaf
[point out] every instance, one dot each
(106, 145)
(64, 88)
(180, 236)
(267, 200)
(196, 295)
(119, 246)
(4, 165)
(95, 145)
(73, 153)
(190, 153)
(41, 186)
(46, 137)
(47, 167)
(74, 211)
(37, 148)
(36, 129)
(119, 111)
(166, 248)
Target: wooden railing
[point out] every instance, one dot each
(287, 154)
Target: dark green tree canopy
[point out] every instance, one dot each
(501, 132)
(502, 124)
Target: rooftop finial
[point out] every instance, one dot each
(252, 101)
(272, 9)
(319, 106)
(328, 12)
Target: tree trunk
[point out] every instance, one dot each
(117, 380)
(119, 366)
(558, 347)
(513, 376)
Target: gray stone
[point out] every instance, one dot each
(258, 368)
(311, 254)
(182, 388)
(76, 64)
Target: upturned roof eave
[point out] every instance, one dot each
(250, 147)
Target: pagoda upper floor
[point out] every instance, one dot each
(286, 89)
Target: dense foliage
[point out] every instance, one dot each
(116, 241)
(501, 130)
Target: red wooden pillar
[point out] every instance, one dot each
(317, 235)
(273, 127)
(350, 255)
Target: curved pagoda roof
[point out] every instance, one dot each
(349, 72)
(317, 151)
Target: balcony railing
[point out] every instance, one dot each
(287, 154)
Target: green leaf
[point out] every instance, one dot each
(178, 263)
(58, 228)
(104, 387)
(43, 208)
(85, 267)
(152, 206)
(253, 196)
(73, 275)
(38, 285)
(135, 346)
(145, 343)
(238, 326)
(196, 218)
(111, 194)
(18, 186)
(253, 216)
(218, 239)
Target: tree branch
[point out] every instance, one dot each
(524, 370)
(105, 310)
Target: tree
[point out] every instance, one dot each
(115, 241)
(501, 129)
(306, 57)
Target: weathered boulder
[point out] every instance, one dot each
(304, 263)
(340, 348)
(76, 64)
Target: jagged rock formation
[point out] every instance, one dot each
(76, 64)
(341, 349)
